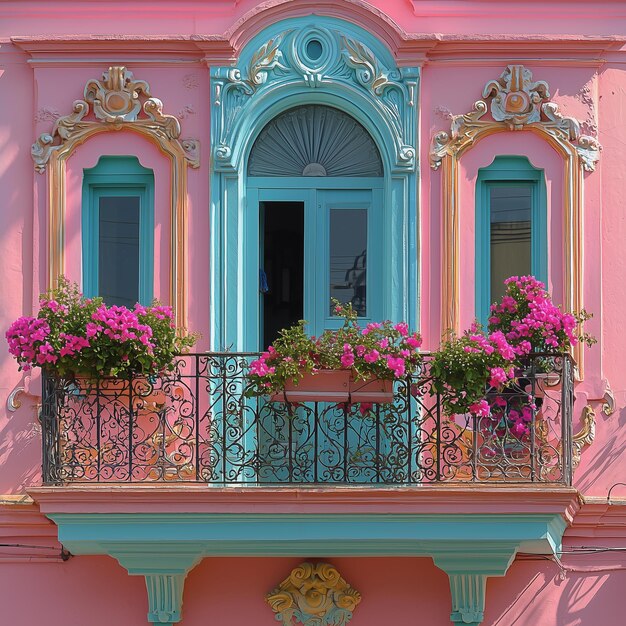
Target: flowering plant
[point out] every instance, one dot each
(380, 350)
(76, 335)
(466, 366)
(479, 365)
(531, 322)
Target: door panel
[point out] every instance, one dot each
(339, 231)
(348, 256)
(342, 255)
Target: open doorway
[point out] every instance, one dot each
(281, 279)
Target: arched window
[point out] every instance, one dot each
(314, 140)
(118, 231)
(511, 227)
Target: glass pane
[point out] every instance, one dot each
(510, 235)
(348, 257)
(118, 245)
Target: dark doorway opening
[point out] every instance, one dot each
(282, 267)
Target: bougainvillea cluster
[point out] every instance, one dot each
(76, 335)
(469, 371)
(380, 349)
(531, 322)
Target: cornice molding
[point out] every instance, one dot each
(408, 48)
(600, 519)
(429, 500)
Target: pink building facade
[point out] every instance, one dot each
(261, 142)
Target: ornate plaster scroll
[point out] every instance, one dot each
(516, 102)
(118, 102)
(585, 436)
(284, 60)
(314, 595)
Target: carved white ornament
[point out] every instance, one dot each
(314, 595)
(516, 102)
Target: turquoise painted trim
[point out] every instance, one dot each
(336, 534)
(468, 598)
(504, 171)
(164, 547)
(245, 99)
(165, 597)
(118, 176)
(314, 182)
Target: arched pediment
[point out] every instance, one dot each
(324, 61)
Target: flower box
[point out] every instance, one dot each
(376, 390)
(321, 386)
(336, 386)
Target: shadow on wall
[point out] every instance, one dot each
(601, 463)
(549, 599)
(20, 444)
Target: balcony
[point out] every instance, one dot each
(196, 425)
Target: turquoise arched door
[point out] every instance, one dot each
(314, 107)
(315, 206)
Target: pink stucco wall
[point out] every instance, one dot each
(403, 591)
(461, 46)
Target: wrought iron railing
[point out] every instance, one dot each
(196, 424)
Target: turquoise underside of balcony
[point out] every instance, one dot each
(165, 547)
(293, 534)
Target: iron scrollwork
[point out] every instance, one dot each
(196, 424)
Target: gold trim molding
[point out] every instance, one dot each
(118, 102)
(515, 102)
(314, 594)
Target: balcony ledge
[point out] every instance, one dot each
(467, 499)
(162, 532)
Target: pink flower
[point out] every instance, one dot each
(480, 409)
(497, 376)
(347, 359)
(372, 356)
(414, 341)
(396, 365)
(402, 328)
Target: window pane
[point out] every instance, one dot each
(348, 257)
(510, 234)
(118, 245)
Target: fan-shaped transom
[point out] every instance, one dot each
(314, 140)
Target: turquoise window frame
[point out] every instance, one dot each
(508, 171)
(118, 176)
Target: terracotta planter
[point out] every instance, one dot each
(372, 389)
(323, 386)
(144, 395)
(336, 386)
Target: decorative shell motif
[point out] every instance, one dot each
(516, 102)
(516, 97)
(116, 97)
(314, 595)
